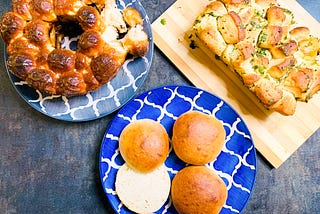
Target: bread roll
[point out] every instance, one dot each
(144, 145)
(197, 189)
(142, 192)
(197, 138)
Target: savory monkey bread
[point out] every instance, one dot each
(275, 57)
(34, 30)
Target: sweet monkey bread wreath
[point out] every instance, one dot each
(34, 30)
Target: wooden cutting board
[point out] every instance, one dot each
(275, 136)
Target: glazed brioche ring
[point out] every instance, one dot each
(33, 32)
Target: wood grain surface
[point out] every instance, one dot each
(275, 136)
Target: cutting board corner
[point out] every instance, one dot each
(276, 137)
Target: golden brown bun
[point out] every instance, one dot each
(197, 138)
(197, 189)
(144, 145)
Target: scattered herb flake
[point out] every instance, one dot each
(262, 52)
(163, 21)
(212, 14)
(263, 37)
(197, 21)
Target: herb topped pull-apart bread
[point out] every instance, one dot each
(277, 59)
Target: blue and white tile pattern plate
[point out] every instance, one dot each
(236, 164)
(101, 102)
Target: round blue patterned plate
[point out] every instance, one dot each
(236, 164)
(101, 102)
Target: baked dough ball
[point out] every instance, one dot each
(197, 138)
(143, 192)
(144, 145)
(197, 189)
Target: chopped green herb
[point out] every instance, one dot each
(260, 69)
(234, 48)
(263, 37)
(197, 21)
(287, 11)
(163, 21)
(212, 14)
(260, 14)
(261, 52)
(255, 24)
